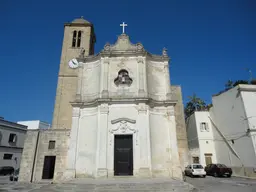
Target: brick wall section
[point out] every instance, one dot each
(60, 137)
(180, 126)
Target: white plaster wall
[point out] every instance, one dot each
(87, 142)
(158, 79)
(163, 141)
(227, 114)
(249, 100)
(91, 80)
(205, 138)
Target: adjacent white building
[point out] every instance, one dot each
(234, 118)
(35, 124)
(200, 138)
(227, 132)
(12, 136)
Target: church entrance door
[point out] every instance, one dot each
(123, 155)
(49, 165)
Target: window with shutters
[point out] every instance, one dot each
(12, 138)
(204, 126)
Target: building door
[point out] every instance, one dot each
(123, 155)
(49, 165)
(208, 158)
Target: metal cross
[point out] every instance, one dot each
(123, 25)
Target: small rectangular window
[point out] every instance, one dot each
(7, 156)
(12, 138)
(195, 159)
(51, 145)
(204, 126)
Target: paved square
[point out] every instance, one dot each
(102, 185)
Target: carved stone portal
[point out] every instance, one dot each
(124, 128)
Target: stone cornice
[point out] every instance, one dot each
(150, 102)
(79, 24)
(250, 88)
(13, 125)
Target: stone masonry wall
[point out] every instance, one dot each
(67, 79)
(27, 157)
(61, 138)
(181, 127)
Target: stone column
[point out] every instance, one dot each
(175, 160)
(105, 78)
(144, 144)
(102, 141)
(70, 171)
(141, 77)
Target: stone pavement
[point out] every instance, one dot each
(233, 184)
(102, 185)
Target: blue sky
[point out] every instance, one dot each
(209, 41)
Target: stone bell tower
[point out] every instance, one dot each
(78, 36)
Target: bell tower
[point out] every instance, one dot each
(78, 35)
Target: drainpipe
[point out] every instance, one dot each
(35, 155)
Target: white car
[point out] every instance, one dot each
(195, 170)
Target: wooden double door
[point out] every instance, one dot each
(123, 155)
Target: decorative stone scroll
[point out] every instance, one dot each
(140, 60)
(123, 119)
(123, 127)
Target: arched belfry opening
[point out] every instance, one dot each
(123, 78)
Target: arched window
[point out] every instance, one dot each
(79, 39)
(74, 39)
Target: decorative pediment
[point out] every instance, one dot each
(123, 44)
(123, 47)
(123, 119)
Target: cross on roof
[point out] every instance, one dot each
(123, 25)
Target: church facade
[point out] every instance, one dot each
(116, 114)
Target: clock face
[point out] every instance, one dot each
(73, 63)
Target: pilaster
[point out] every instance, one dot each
(102, 141)
(144, 138)
(79, 84)
(105, 93)
(167, 80)
(141, 77)
(175, 161)
(72, 150)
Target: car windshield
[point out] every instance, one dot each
(221, 166)
(197, 167)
